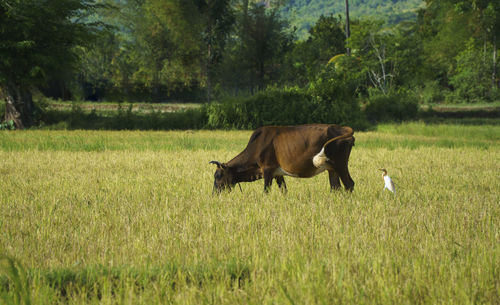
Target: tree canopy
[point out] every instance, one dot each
(37, 42)
(201, 50)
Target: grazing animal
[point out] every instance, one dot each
(298, 151)
(388, 184)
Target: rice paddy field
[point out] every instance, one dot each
(128, 217)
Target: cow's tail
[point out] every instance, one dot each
(321, 158)
(348, 134)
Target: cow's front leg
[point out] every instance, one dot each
(281, 183)
(268, 179)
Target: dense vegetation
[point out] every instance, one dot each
(305, 13)
(229, 50)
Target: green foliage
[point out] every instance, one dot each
(162, 50)
(431, 92)
(330, 99)
(459, 43)
(334, 94)
(307, 58)
(270, 107)
(394, 106)
(7, 125)
(389, 58)
(38, 45)
(30, 49)
(305, 13)
(471, 78)
(257, 51)
(124, 119)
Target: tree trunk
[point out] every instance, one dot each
(245, 9)
(156, 85)
(209, 71)
(494, 72)
(19, 106)
(261, 75)
(347, 25)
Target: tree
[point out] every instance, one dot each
(390, 58)
(309, 57)
(347, 24)
(199, 31)
(38, 39)
(218, 19)
(263, 44)
(447, 27)
(471, 77)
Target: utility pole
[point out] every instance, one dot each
(347, 26)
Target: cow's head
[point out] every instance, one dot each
(223, 177)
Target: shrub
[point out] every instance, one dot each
(393, 106)
(330, 99)
(9, 125)
(431, 93)
(270, 107)
(2, 109)
(334, 99)
(125, 120)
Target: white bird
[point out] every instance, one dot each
(388, 182)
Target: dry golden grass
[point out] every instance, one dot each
(140, 226)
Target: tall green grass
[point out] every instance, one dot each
(62, 140)
(407, 135)
(134, 224)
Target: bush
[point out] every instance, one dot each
(432, 93)
(2, 110)
(334, 99)
(391, 107)
(269, 107)
(330, 99)
(125, 120)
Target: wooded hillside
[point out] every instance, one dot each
(304, 13)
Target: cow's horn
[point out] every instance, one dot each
(219, 165)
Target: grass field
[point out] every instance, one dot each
(102, 217)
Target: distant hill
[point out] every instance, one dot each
(304, 13)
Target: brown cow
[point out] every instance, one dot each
(298, 151)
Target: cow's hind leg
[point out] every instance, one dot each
(346, 178)
(281, 183)
(338, 152)
(334, 180)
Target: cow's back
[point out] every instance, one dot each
(296, 146)
(291, 148)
